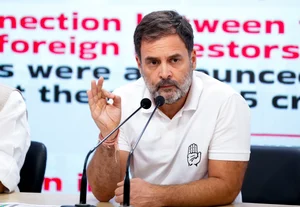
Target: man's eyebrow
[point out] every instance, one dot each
(151, 58)
(177, 55)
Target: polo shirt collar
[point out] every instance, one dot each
(193, 98)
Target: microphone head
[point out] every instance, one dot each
(146, 103)
(159, 101)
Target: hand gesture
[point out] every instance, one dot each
(194, 156)
(106, 116)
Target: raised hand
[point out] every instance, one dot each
(194, 156)
(106, 116)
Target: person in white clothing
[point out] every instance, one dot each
(14, 137)
(196, 148)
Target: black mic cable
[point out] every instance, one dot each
(159, 101)
(146, 104)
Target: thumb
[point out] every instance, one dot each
(117, 101)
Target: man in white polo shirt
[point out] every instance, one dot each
(197, 145)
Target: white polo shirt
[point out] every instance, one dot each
(213, 124)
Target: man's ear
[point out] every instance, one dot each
(194, 59)
(138, 62)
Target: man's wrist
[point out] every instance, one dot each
(110, 141)
(103, 134)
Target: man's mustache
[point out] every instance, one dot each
(166, 82)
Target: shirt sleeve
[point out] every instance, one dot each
(123, 142)
(231, 139)
(14, 140)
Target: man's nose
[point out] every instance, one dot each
(165, 71)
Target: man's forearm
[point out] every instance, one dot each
(104, 173)
(206, 192)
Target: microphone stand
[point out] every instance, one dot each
(126, 199)
(145, 103)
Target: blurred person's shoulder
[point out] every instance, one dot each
(5, 92)
(11, 95)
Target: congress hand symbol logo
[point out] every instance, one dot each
(193, 156)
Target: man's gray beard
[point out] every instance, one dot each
(179, 92)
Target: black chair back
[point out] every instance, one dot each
(33, 171)
(273, 176)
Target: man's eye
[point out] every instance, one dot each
(175, 60)
(153, 62)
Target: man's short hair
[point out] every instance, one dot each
(158, 24)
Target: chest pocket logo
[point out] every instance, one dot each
(193, 156)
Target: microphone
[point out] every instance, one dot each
(159, 101)
(146, 104)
